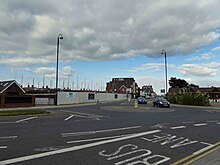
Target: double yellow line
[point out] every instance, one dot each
(193, 157)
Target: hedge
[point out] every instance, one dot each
(197, 99)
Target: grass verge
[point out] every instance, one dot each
(22, 112)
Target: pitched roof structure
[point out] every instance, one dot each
(4, 85)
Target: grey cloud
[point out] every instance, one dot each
(205, 56)
(151, 67)
(199, 69)
(106, 30)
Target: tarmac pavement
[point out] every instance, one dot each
(209, 157)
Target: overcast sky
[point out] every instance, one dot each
(110, 38)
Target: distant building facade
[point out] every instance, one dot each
(147, 90)
(123, 86)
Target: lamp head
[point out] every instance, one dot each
(163, 51)
(60, 36)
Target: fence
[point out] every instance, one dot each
(86, 97)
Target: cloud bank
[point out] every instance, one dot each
(99, 30)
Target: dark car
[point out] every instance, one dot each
(141, 100)
(161, 102)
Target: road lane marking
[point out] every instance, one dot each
(217, 146)
(159, 126)
(195, 154)
(218, 123)
(3, 147)
(188, 122)
(45, 154)
(69, 117)
(130, 159)
(212, 121)
(83, 114)
(210, 111)
(100, 131)
(30, 118)
(7, 122)
(200, 124)
(206, 143)
(203, 149)
(87, 117)
(95, 139)
(178, 127)
(8, 137)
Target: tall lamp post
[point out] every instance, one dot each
(58, 44)
(165, 56)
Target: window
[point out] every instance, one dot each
(91, 96)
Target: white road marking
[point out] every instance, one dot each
(188, 122)
(206, 143)
(69, 117)
(103, 138)
(30, 118)
(35, 156)
(87, 117)
(8, 122)
(178, 127)
(8, 137)
(204, 149)
(83, 114)
(159, 126)
(100, 131)
(201, 124)
(213, 121)
(210, 111)
(130, 159)
(3, 147)
(218, 123)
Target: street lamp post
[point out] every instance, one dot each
(165, 56)
(58, 44)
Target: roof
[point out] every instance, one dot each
(123, 86)
(4, 85)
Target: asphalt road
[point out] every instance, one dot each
(110, 133)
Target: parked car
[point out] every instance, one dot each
(141, 100)
(161, 102)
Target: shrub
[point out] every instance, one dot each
(197, 99)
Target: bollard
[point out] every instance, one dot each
(136, 104)
(129, 99)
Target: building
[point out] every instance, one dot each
(12, 95)
(147, 90)
(123, 86)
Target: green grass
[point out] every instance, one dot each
(22, 112)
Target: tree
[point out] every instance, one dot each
(174, 82)
(193, 86)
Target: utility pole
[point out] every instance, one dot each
(22, 80)
(44, 81)
(33, 82)
(69, 75)
(165, 56)
(77, 83)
